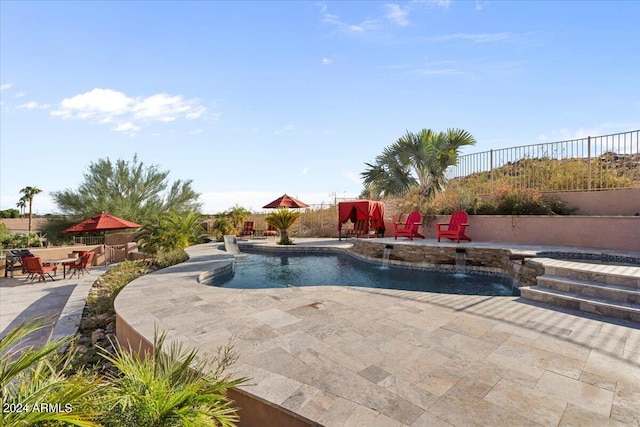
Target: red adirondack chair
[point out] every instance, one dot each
(455, 228)
(409, 228)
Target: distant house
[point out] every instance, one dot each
(21, 225)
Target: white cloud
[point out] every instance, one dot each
(361, 28)
(195, 132)
(287, 128)
(474, 38)
(19, 95)
(127, 128)
(129, 114)
(397, 14)
(33, 105)
(327, 61)
(440, 3)
(6, 86)
(480, 4)
(305, 171)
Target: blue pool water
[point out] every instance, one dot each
(257, 271)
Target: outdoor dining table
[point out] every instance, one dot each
(59, 261)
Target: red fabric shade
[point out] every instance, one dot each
(285, 202)
(355, 210)
(101, 222)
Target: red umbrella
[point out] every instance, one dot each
(285, 202)
(101, 222)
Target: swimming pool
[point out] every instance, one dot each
(279, 270)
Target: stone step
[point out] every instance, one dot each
(613, 293)
(609, 274)
(619, 310)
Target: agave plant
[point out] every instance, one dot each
(170, 387)
(35, 391)
(283, 219)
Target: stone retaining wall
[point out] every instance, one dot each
(488, 260)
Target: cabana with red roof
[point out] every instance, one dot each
(370, 213)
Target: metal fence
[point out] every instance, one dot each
(591, 163)
(318, 220)
(88, 240)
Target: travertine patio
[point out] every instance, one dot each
(341, 356)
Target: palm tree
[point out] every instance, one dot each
(237, 215)
(416, 162)
(22, 204)
(283, 219)
(172, 231)
(29, 193)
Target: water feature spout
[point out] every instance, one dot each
(461, 260)
(385, 255)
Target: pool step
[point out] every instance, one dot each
(601, 306)
(604, 289)
(628, 276)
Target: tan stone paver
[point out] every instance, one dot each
(365, 357)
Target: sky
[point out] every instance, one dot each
(251, 100)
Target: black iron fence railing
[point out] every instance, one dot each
(592, 163)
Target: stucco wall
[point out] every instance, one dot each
(605, 232)
(609, 202)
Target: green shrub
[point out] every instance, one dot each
(527, 201)
(34, 376)
(170, 386)
(507, 201)
(167, 259)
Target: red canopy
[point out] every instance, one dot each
(285, 202)
(368, 210)
(101, 222)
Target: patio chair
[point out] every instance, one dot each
(409, 228)
(270, 231)
(455, 228)
(35, 268)
(22, 261)
(360, 228)
(80, 265)
(248, 228)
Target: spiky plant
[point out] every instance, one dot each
(170, 386)
(283, 219)
(35, 391)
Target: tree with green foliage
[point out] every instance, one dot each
(415, 163)
(237, 215)
(22, 205)
(29, 193)
(10, 213)
(222, 226)
(172, 231)
(127, 189)
(283, 219)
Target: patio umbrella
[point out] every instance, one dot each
(285, 201)
(101, 222)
